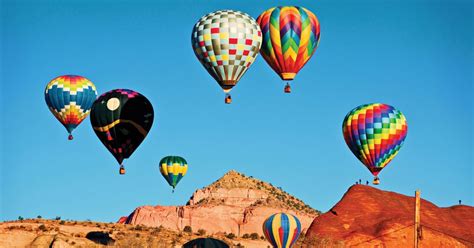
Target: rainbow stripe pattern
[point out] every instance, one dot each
(290, 38)
(375, 133)
(173, 168)
(226, 42)
(70, 99)
(282, 230)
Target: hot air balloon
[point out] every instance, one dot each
(290, 38)
(374, 133)
(282, 230)
(173, 168)
(226, 42)
(70, 99)
(206, 243)
(121, 119)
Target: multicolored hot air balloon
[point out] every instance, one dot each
(121, 119)
(226, 42)
(173, 168)
(206, 243)
(290, 38)
(374, 133)
(282, 230)
(70, 99)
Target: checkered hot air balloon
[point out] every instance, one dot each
(375, 133)
(121, 119)
(226, 42)
(282, 230)
(70, 99)
(173, 169)
(290, 38)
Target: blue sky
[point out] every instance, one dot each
(414, 55)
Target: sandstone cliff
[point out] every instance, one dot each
(233, 204)
(369, 217)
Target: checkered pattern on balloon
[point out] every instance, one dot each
(226, 42)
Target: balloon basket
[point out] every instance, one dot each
(228, 99)
(122, 170)
(287, 88)
(376, 181)
(70, 137)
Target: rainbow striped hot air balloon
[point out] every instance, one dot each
(70, 99)
(282, 230)
(375, 133)
(173, 169)
(290, 36)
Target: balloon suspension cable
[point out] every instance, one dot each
(287, 88)
(122, 170)
(228, 98)
(376, 181)
(70, 137)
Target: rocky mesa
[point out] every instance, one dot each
(235, 203)
(369, 217)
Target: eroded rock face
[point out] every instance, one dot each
(386, 219)
(213, 218)
(233, 204)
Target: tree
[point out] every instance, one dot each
(188, 229)
(42, 228)
(201, 232)
(39, 217)
(20, 218)
(254, 236)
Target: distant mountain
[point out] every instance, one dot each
(235, 204)
(369, 217)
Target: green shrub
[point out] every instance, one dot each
(230, 236)
(188, 229)
(254, 236)
(201, 232)
(246, 236)
(42, 228)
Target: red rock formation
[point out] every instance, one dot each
(122, 220)
(369, 217)
(233, 204)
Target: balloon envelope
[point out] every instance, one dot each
(226, 42)
(121, 119)
(173, 168)
(206, 243)
(282, 230)
(290, 36)
(375, 133)
(70, 99)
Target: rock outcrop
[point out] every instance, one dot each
(233, 204)
(369, 217)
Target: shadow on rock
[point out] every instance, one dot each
(100, 238)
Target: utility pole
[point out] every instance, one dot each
(417, 218)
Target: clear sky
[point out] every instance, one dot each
(414, 55)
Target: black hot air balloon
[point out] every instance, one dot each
(121, 119)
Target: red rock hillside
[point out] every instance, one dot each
(369, 217)
(233, 204)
